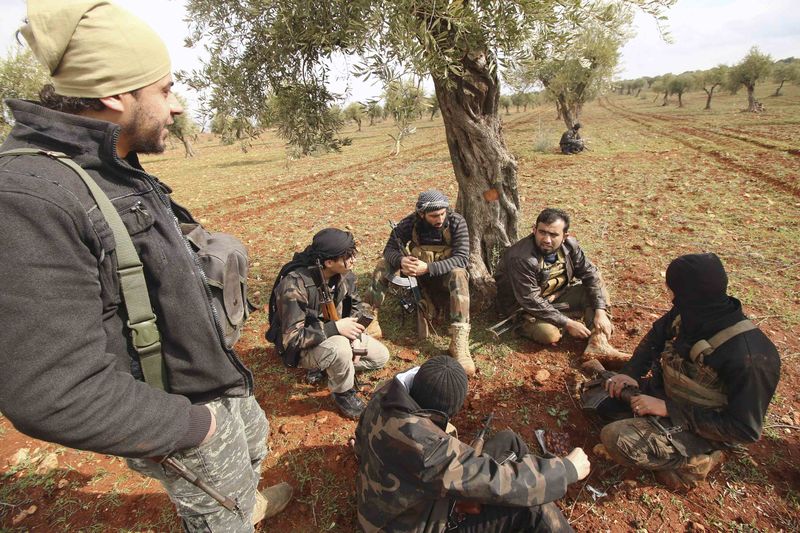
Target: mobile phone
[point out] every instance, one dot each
(366, 320)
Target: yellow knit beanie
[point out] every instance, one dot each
(94, 48)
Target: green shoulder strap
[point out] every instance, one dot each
(704, 348)
(141, 319)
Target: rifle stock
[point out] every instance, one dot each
(329, 311)
(477, 445)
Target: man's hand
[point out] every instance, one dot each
(211, 428)
(602, 323)
(408, 265)
(349, 327)
(648, 405)
(413, 266)
(422, 268)
(581, 463)
(577, 329)
(615, 384)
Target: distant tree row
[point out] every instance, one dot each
(755, 67)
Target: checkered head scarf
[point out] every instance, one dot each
(431, 200)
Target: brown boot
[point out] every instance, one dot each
(693, 472)
(271, 501)
(459, 346)
(374, 329)
(600, 349)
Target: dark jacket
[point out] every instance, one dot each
(409, 468)
(519, 279)
(748, 365)
(459, 242)
(70, 374)
(299, 311)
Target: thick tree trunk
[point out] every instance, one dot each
(752, 105)
(484, 168)
(680, 99)
(567, 113)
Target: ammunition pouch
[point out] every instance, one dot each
(431, 253)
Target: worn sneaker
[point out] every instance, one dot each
(315, 376)
(271, 501)
(349, 404)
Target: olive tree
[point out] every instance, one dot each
(184, 128)
(784, 71)
(354, 112)
(258, 47)
(405, 101)
(576, 71)
(755, 66)
(710, 79)
(21, 76)
(680, 84)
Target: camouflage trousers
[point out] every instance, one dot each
(650, 443)
(576, 299)
(334, 355)
(452, 287)
(508, 446)
(230, 462)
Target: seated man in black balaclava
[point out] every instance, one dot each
(714, 374)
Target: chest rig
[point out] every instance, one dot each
(554, 275)
(431, 252)
(690, 380)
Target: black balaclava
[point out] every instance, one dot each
(700, 285)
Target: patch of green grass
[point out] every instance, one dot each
(560, 415)
(744, 470)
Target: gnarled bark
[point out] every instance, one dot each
(485, 170)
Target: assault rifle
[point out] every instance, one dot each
(411, 285)
(514, 320)
(329, 311)
(593, 392)
(477, 445)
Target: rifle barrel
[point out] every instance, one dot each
(181, 469)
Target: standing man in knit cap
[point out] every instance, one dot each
(79, 369)
(413, 469)
(301, 334)
(713, 376)
(549, 281)
(436, 242)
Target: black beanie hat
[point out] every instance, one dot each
(697, 278)
(440, 384)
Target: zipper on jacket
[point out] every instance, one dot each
(220, 332)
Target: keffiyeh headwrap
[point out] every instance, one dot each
(431, 200)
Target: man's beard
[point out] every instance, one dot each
(146, 134)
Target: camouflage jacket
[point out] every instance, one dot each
(299, 311)
(519, 279)
(410, 469)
